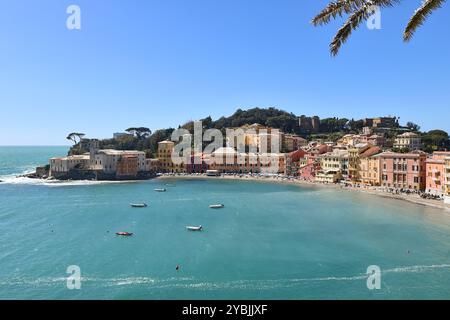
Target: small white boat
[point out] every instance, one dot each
(190, 228)
(217, 206)
(160, 190)
(138, 205)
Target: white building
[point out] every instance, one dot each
(106, 160)
(408, 140)
(337, 161)
(64, 164)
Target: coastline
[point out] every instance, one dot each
(24, 179)
(410, 198)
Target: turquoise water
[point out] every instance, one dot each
(271, 241)
(17, 160)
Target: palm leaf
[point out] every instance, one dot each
(419, 17)
(336, 8)
(354, 21)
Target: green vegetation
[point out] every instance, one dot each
(140, 132)
(271, 117)
(435, 140)
(141, 141)
(75, 137)
(331, 129)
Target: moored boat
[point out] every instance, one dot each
(138, 205)
(160, 190)
(216, 206)
(191, 228)
(124, 234)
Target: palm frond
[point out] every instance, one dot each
(419, 17)
(336, 8)
(346, 30)
(355, 19)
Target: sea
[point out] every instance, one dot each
(270, 241)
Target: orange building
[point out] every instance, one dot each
(370, 173)
(435, 176)
(127, 166)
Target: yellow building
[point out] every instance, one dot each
(370, 171)
(330, 176)
(256, 135)
(166, 164)
(227, 160)
(369, 167)
(335, 161)
(165, 149)
(354, 161)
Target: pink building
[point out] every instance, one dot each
(403, 170)
(308, 172)
(435, 173)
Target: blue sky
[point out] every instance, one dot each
(159, 63)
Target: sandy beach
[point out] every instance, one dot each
(413, 198)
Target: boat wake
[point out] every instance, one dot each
(197, 284)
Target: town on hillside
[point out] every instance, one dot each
(375, 152)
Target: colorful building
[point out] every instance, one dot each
(165, 150)
(403, 170)
(354, 163)
(447, 180)
(435, 173)
(370, 173)
(228, 160)
(107, 160)
(293, 162)
(128, 166)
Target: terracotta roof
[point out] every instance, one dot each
(370, 152)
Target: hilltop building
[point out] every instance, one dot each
(409, 140)
(380, 122)
(121, 135)
(309, 124)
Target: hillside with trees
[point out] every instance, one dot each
(331, 129)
